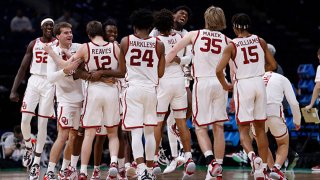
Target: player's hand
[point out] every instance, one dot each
(72, 66)
(228, 87)
(297, 127)
(308, 107)
(95, 76)
(47, 48)
(176, 60)
(14, 97)
(108, 80)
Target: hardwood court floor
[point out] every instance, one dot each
(228, 174)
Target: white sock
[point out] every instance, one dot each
(120, 162)
(36, 160)
(278, 166)
(250, 155)
(74, 161)
(187, 155)
(65, 164)
(83, 169)
(219, 161)
(51, 167)
(208, 153)
(114, 159)
(96, 167)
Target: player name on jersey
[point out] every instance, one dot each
(101, 51)
(143, 44)
(212, 34)
(248, 41)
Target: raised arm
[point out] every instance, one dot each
(25, 64)
(162, 61)
(186, 40)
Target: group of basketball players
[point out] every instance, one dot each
(108, 89)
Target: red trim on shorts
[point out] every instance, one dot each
(101, 134)
(65, 127)
(183, 109)
(114, 53)
(29, 112)
(238, 102)
(34, 114)
(224, 120)
(85, 105)
(88, 54)
(91, 126)
(113, 125)
(162, 112)
(150, 124)
(125, 107)
(196, 91)
(278, 137)
(133, 127)
(248, 122)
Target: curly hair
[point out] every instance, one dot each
(163, 20)
(109, 22)
(241, 21)
(142, 19)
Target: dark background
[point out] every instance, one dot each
(291, 26)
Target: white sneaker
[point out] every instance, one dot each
(163, 160)
(27, 156)
(174, 164)
(113, 171)
(214, 169)
(96, 174)
(189, 169)
(34, 172)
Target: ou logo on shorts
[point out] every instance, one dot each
(98, 129)
(64, 120)
(24, 105)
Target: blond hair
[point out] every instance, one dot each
(215, 19)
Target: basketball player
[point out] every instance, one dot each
(39, 91)
(110, 35)
(171, 90)
(210, 100)
(101, 99)
(278, 86)
(69, 97)
(181, 16)
(251, 57)
(143, 59)
(315, 95)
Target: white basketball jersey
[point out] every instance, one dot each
(250, 58)
(142, 61)
(173, 69)
(39, 57)
(68, 90)
(207, 50)
(101, 57)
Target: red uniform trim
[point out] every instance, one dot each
(278, 137)
(88, 55)
(162, 112)
(196, 94)
(182, 109)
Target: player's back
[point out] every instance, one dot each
(173, 69)
(275, 87)
(207, 50)
(142, 61)
(101, 57)
(250, 57)
(39, 62)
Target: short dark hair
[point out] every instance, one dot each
(142, 19)
(241, 21)
(57, 27)
(109, 22)
(163, 20)
(94, 28)
(183, 7)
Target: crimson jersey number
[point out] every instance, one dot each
(103, 62)
(147, 57)
(41, 57)
(212, 45)
(250, 55)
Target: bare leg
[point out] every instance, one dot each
(262, 140)
(219, 142)
(98, 148)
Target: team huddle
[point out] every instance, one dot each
(127, 91)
